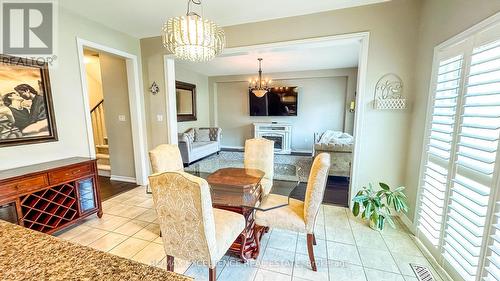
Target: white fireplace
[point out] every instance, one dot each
(280, 133)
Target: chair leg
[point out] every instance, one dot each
(314, 239)
(170, 263)
(211, 274)
(310, 238)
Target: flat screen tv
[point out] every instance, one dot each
(279, 101)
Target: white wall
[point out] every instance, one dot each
(67, 93)
(202, 108)
(321, 105)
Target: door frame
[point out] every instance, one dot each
(361, 97)
(137, 115)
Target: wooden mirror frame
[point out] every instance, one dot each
(192, 89)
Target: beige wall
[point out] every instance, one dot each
(202, 107)
(67, 92)
(94, 83)
(321, 105)
(116, 103)
(440, 20)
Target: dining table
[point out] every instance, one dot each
(239, 190)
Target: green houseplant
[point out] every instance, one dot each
(376, 205)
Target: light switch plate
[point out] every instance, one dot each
(121, 118)
(159, 118)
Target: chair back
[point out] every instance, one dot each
(259, 154)
(315, 189)
(184, 208)
(166, 158)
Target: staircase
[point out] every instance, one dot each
(102, 155)
(101, 140)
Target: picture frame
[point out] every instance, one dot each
(185, 94)
(26, 105)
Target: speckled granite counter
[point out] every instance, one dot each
(30, 255)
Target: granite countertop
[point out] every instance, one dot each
(31, 255)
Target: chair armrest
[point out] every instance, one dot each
(184, 141)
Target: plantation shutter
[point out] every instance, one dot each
(439, 148)
(477, 145)
(459, 201)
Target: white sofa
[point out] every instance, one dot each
(197, 143)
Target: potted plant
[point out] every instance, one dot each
(377, 204)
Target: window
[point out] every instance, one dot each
(460, 174)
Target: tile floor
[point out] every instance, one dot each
(347, 250)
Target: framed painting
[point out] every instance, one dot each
(26, 110)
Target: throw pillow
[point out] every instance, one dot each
(202, 135)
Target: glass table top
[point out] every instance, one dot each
(241, 188)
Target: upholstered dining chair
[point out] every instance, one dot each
(166, 158)
(297, 215)
(192, 229)
(259, 154)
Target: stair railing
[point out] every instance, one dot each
(98, 124)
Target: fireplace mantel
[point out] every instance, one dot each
(280, 133)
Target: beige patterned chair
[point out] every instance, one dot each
(192, 230)
(166, 158)
(259, 154)
(299, 216)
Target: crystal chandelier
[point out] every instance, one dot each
(258, 86)
(193, 38)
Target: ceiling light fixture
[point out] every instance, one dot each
(193, 38)
(258, 86)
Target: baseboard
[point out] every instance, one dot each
(407, 222)
(232, 148)
(124, 179)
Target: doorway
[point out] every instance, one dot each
(122, 128)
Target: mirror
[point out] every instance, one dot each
(185, 96)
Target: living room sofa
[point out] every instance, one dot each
(198, 143)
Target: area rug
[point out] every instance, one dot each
(286, 167)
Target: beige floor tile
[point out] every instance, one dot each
(149, 216)
(132, 211)
(235, 270)
(129, 247)
(131, 227)
(409, 278)
(121, 197)
(319, 231)
(148, 203)
(370, 239)
(403, 262)
(402, 244)
(108, 241)
(158, 240)
(266, 275)
(135, 201)
(180, 265)
(277, 260)
(108, 222)
(152, 254)
(378, 259)
(302, 268)
(72, 232)
(343, 253)
(342, 235)
(150, 232)
(89, 236)
(342, 271)
(283, 240)
(377, 275)
(337, 221)
(200, 272)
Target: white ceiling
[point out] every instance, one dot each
(295, 57)
(144, 18)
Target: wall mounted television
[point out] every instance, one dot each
(279, 101)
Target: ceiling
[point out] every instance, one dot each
(145, 18)
(294, 57)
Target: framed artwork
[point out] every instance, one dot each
(26, 111)
(185, 96)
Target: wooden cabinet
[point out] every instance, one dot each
(50, 196)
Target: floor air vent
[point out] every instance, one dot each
(423, 273)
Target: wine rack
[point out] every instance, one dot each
(50, 208)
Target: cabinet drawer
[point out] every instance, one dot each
(70, 174)
(25, 185)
